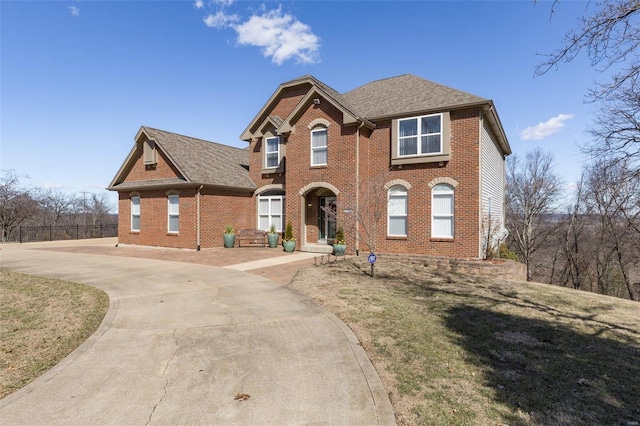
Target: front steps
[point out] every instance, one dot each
(317, 248)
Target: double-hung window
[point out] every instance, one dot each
(271, 212)
(319, 147)
(135, 214)
(442, 209)
(420, 135)
(272, 152)
(174, 213)
(397, 212)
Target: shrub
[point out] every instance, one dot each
(288, 233)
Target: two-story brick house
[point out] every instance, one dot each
(420, 165)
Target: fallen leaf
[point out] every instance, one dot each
(242, 397)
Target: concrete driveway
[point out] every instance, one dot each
(181, 340)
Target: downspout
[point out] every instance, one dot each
(481, 252)
(198, 218)
(357, 212)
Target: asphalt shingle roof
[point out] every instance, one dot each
(404, 94)
(205, 162)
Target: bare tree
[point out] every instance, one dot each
(55, 205)
(16, 203)
(365, 206)
(611, 38)
(614, 193)
(532, 192)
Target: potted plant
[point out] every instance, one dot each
(289, 242)
(273, 236)
(340, 246)
(229, 237)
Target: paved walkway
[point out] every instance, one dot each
(180, 340)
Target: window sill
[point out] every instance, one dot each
(418, 159)
(396, 237)
(172, 234)
(319, 166)
(134, 232)
(442, 240)
(272, 171)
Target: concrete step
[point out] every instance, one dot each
(317, 248)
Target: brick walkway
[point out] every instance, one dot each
(219, 256)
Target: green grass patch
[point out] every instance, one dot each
(462, 350)
(42, 321)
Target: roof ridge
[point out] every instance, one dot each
(193, 138)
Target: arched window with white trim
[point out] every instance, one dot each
(319, 138)
(397, 211)
(442, 211)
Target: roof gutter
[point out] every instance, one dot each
(179, 185)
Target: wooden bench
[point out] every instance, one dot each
(253, 236)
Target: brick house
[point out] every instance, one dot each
(406, 165)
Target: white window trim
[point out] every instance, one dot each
(399, 191)
(317, 148)
(266, 164)
(133, 214)
(450, 192)
(419, 136)
(269, 215)
(170, 215)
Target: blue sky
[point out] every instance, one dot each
(78, 78)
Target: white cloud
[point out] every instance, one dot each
(199, 4)
(220, 20)
(74, 10)
(546, 129)
(224, 3)
(281, 37)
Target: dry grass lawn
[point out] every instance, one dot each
(42, 321)
(461, 350)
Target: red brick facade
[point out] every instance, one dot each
(357, 154)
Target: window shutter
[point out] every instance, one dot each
(149, 153)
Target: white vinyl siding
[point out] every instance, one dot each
(271, 212)
(135, 214)
(173, 204)
(397, 212)
(319, 147)
(442, 211)
(272, 152)
(492, 184)
(420, 135)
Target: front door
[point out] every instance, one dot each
(327, 223)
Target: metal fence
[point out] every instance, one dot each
(73, 232)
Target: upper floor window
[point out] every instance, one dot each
(420, 135)
(272, 152)
(174, 213)
(135, 213)
(442, 209)
(319, 147)
(397, 211)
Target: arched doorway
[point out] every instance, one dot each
(320, 207)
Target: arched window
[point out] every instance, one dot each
(442, 209)
(319, 138)
(397, 211)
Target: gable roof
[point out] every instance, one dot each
(406, 94)
(199, 162)
(392, 97)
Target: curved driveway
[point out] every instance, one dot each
(181, 340)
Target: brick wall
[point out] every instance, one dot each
(375, 165)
